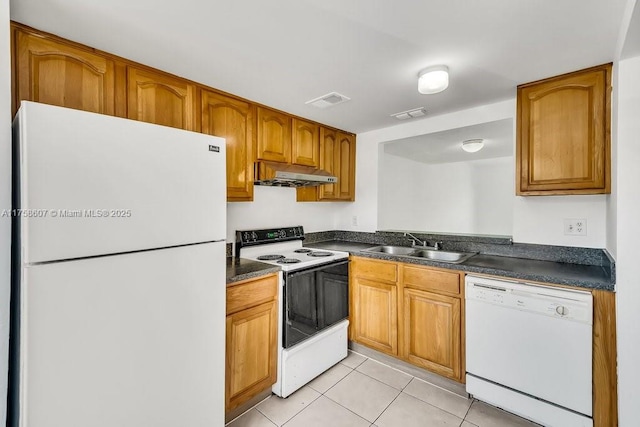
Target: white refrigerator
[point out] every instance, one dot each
(118, 300)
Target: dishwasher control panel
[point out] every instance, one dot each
(561, 303)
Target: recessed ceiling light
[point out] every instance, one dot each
(410, 114)
(433, 79)
(473, 145)
(328, 100)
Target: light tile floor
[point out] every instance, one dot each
(359, 391)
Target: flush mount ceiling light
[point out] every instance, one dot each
(472, 145)
(433, 79)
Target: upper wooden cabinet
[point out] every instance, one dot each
(232, 119)
(274, 136)
(305, 147)
(158, 98)
(563, 134)
(60, 74)
(52, 70)
(330, 162)
(338, 157)
(347, 166)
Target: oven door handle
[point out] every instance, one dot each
(318, 268)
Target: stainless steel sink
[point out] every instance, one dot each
(391, 250)
(442, 256)
(430, 254)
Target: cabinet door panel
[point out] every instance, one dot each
(563, 134)
(305, 145)
(347, 166)
(251, 352)
(329, 161)
(376, 315)
(274, 136)
(432, 332)
(59, 74)
(160, 99)
(233, 120)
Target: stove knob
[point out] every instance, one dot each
(246, 236)
(282, 233)
(254, 236)
(562, 310)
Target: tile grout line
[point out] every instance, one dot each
(402, 390)
(352, 371)
(248, 410)
(344, 407)
(387, 407)
(294, 415)
(340, 380)
(469, 409)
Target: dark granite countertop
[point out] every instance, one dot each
(579, 275)
(239, 269)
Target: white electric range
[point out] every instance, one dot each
(313, 299)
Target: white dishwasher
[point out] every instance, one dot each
(529, 350)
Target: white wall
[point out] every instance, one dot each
(5, 199)
(277, 207)
(366, 205)
(538, 219)
(473, 197)
(628, 212)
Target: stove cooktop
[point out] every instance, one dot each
(283, 247)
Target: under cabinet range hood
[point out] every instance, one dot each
(285, 175)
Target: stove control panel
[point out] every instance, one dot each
(270, 235)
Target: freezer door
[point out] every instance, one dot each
(92, 184)
(127, 340)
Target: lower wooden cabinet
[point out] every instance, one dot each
(376, 310)
(251, 339)
(413, 312)
(432, 331)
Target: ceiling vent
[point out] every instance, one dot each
(328, 100)
(410, 114)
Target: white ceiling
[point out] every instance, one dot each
(446, 146)
(284, 52)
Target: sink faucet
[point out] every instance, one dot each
(415, 241)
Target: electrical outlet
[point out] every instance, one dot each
(575, 226)
(354, 220)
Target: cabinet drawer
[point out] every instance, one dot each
(251, 293)
(375, 270)
(430, 279)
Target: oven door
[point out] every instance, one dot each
(315, 299)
